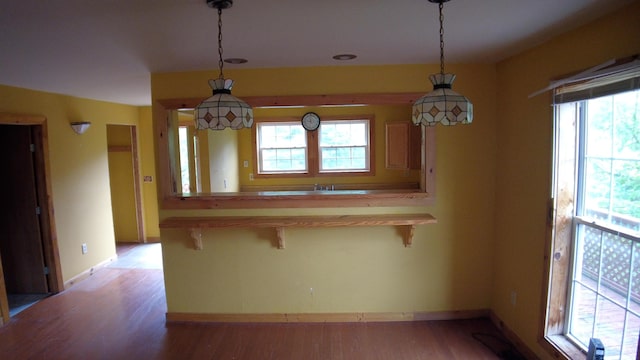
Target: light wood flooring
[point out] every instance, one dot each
(119, 313)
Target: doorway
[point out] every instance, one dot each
(124, 179)
(29, 264)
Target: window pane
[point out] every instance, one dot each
(609, 324)
(616, 264)
(267, 136)
(627, 124)
(298, 154)
(597, 187)
(583, 313)
(588, 258)
(269, 165)
(626, 193)
(612, 160)
(630, 341)
(599, 127)
(634, 304)
(269, 154)
(358, 134)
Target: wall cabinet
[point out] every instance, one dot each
(403, 143)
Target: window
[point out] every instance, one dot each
(282, 148)
(338, 146)
(344, 146)
(597, 195)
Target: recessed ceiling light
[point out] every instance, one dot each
(344, 57)
(235, 60)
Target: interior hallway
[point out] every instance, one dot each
(119, 313)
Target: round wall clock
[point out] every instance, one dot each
(310, 121)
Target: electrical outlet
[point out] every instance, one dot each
(246, 163)
(84, 249)
(251, 177)
(514, 297)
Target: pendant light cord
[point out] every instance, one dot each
(220, 62)
(441, 39)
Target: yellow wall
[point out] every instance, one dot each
(524, 158)
(79, 170)
(349, 269)
(224, 167)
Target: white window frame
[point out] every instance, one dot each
(583, 287)
(260, 149)
(367, 147)
(563, 214)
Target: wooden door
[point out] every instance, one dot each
(20, 238)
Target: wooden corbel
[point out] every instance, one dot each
(280, 235)
(196, 235)
(408, 240)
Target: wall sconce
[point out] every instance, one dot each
(80, 126)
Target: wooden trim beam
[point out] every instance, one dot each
(306, 100)
(299, 199)
(336, 186)
(279, 223)
(296, 221)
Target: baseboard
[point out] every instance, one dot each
(325, 317)
(87, 273)
(152, 239)
(512, 337)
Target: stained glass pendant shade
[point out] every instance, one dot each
(222, 110)
(442, 105)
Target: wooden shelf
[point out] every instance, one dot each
(279, 223)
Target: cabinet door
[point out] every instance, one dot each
(397, 138)
(403, 142)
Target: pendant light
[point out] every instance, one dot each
(222, 110)
(442, 105)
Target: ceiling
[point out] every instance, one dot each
(107, 49)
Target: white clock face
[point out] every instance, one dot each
(311, 121)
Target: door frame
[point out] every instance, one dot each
(42, 169)
(137, 186)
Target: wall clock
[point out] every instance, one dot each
(310, 121)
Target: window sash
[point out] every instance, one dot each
(273, 159)
(599, 298)
(344, 151)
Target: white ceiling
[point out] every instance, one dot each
(107, 49)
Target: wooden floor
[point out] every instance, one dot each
(119, 313)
